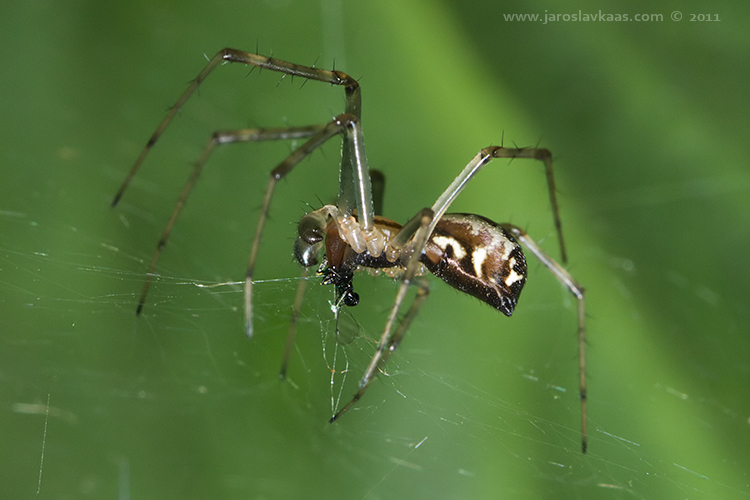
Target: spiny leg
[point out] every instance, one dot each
(414, 231)
(353, 96)
(219, 138)
(577, 290)
(483, 158)
(355, 189)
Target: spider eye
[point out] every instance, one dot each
(311, 231)
(307, 253)
(312, 227)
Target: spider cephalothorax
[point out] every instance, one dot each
(471, 253)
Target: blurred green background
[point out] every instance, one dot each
(648, 122)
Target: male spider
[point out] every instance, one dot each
(469, 252)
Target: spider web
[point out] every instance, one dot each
(98, 403)
(81, 371)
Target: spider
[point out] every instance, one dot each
(469, 252)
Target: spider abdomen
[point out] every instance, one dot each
(477, 256)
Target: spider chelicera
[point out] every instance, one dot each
(469, 252)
